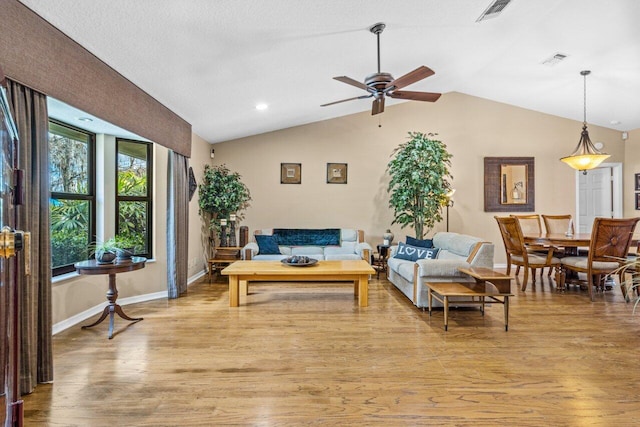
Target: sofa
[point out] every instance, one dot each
(452, 250)
(321, 244)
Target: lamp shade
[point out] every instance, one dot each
(585, 156)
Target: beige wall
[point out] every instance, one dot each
(472, 128)
(198, 236)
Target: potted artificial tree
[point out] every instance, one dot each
(419, 182)
(222, 196)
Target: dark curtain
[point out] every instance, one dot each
(31, 117)
(177, 224)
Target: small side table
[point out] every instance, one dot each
(380, 260)
(222, 257)
(92, 267)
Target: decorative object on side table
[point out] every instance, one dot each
(116, 248)
(105, 253)
(387, 237)
(232, 230)
(125, 247)
(223, 233)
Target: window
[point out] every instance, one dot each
(72, 202)
(133, 194)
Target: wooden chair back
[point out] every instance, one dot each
(611, 238)
(558, 224)
(511, 235)
(529, 224)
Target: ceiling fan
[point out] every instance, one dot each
(380, 85)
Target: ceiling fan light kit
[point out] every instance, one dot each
(585, 156)
(380, 85)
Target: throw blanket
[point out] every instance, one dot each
(307, 237)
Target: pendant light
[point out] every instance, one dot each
(586, 156)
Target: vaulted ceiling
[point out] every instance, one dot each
(212, 62)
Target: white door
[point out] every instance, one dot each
(595, 197)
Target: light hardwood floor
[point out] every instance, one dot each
(308, 355)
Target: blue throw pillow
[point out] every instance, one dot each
(268, 245)
(414, 253)
(426, 243)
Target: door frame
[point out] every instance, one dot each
(616, 189)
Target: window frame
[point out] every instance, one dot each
(90, 196)
(148, 198)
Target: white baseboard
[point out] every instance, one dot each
(80, 317)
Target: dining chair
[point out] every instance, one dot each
(517, 253)
(530, 224)
(558, 224)
(608, 248)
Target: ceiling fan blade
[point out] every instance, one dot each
(419, 73)
(352, 82)
(415, 96)
(348, 99)
(378, 106)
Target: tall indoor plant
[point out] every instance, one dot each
(221, 194)
(419, 182)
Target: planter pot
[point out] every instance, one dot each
(103, 257)
(124, 254)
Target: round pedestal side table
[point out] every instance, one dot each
(91, 267)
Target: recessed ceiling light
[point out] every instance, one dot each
(261, 107)
(85, 119)
(616, 122)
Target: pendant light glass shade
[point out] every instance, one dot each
(585, 156)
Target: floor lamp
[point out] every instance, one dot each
(449, 204)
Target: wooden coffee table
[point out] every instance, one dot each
(356, 271)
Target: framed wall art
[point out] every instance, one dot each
(509, 184)
(637, 181)
(290, 173)
(638, 201)
(336, 173)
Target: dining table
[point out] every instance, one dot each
(570, 244)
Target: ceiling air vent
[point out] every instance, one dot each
(554, 60)
(495, 8)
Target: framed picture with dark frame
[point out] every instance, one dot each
(509, 184)
(638, 201)
(638, 182)
(290, 173)
(336, 173)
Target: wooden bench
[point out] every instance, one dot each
(489, 284)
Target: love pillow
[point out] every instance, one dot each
(414, 253)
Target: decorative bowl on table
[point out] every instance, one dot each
(299, 261)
